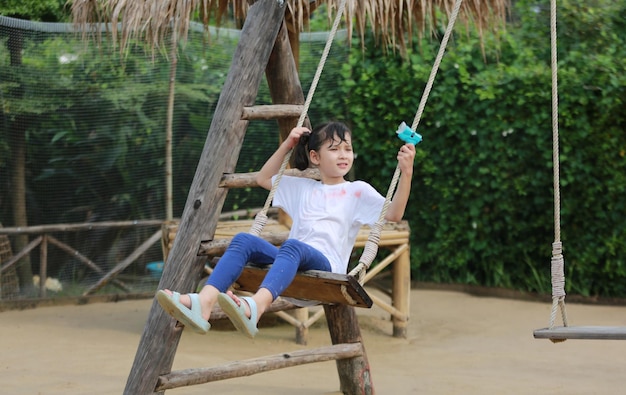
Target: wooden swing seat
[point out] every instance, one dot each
(320, 286)
(313, 285)
(582, 332)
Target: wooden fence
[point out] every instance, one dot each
(43, 238)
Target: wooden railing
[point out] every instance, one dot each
(44, 238)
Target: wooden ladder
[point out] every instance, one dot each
(263, 48)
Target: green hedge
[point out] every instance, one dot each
(482, 207)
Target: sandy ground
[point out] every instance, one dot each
(457, 344)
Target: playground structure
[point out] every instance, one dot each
(259, 48)
(264, 46)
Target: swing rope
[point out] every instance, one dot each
(261, 218)
(557, 262)
(371, 246)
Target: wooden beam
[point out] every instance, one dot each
(29, 247)
(248, 180)
(582, 332)
(284, 82)
(38, 229)
(355, 376)
(401, 292)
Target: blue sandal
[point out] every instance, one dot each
(188, 317)
(237, 314)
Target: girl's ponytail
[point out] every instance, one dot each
(301, 153)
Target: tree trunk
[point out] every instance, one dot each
(17, 145)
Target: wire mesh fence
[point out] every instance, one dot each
(87, 124)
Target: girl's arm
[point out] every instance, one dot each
(396, 208)
(272, 166)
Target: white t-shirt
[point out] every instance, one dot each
(328, 217)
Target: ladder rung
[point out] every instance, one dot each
(248, 180)
(250, 367)
(272, 111)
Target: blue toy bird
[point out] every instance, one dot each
(407, 135)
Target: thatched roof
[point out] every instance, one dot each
(390, 20)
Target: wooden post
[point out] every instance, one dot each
(43, 266)
(283, 80)
(355, 377)
(401, 292)
(302, 331)
(157, 347)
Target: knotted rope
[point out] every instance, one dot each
(557, 263)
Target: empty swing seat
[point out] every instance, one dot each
(582, 332)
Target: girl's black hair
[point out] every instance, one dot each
(313, 141)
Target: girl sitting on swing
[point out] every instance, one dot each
(326, 215)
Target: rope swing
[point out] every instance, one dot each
(558, 263)
(552, 332)
(371, 247)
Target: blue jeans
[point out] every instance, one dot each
(286, 261)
